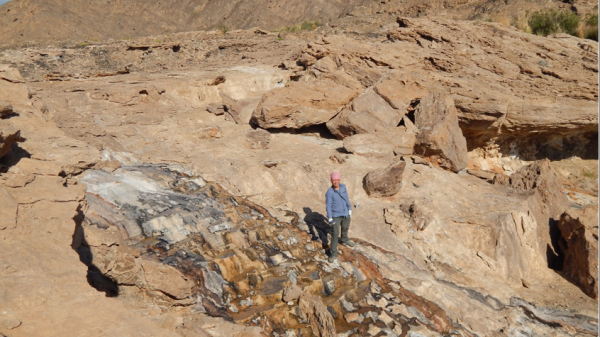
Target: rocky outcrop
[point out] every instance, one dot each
(579, 229)
(385, 182)
(301, 104)
(440, 138)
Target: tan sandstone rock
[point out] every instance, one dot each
(166, 279)
(301, 104)
(369, 113)
(385, 182)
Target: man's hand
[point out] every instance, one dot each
(330, 220)
(350, 213)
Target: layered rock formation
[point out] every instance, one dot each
(29, 21)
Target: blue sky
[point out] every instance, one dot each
(2, 2)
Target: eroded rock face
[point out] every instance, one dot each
(385, 182)
(547, 202)
(579, 229)
(440, 138)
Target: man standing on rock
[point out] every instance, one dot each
(338, 213)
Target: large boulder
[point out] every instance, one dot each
(369, 113)
(579, 229)
(301, 104)
(440, 138)
(385, 182)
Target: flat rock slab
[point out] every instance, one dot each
(47, 188)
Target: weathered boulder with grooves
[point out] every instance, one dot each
(385, 182)
(579, 229)
(440, 138)
(314, 311)
(300, 104)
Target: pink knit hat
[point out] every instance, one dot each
(335, 176)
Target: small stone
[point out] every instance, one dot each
(220, 227)
(375, 288)
(381, 303)
(373, 330)
(277, 259)
(288, 254)
(385, 318)
(290, 303)
(354, 317)
(293, 276)
(372, 315)
(291, 292)
(233, 309)
(280, 237)
(329, 287)
(347, 305)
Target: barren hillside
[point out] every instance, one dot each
(23, 21)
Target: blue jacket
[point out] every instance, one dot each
(337, 202)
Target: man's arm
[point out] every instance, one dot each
(328, 202)
(347, 199)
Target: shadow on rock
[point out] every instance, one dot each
(94, 276)
(318, 226)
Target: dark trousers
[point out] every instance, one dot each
(338, 222)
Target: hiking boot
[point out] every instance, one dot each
(348, 243)
(332, 259)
